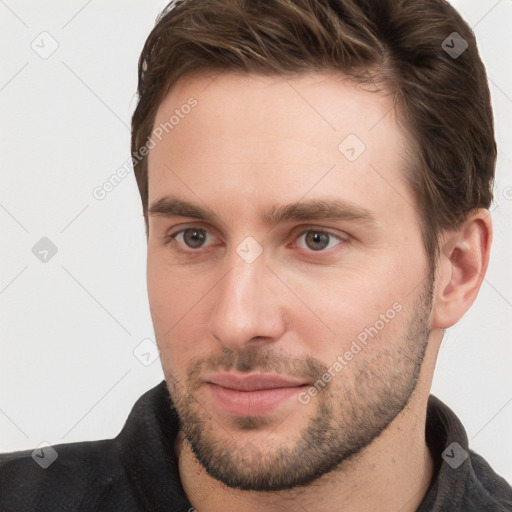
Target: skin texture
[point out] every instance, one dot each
(252, 145)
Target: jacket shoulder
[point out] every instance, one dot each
(85, 476)
(489, 490)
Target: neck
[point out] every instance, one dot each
(392, 473)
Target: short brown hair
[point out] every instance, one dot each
(443, 99)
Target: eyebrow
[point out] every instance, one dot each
(169, 206)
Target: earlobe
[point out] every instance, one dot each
(461, 268)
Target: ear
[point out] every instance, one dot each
(461, 268)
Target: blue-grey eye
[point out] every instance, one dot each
(318, 240)
(193, 238)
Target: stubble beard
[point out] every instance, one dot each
(346, 420)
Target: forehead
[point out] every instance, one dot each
(275, 137)
(309, 105)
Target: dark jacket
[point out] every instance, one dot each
(138, 470)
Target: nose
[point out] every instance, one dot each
(247, 309)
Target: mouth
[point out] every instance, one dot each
(252, 395)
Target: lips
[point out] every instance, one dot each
(255, 382)
(251, 395)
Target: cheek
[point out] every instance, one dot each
(177, 348)
(364, 334)
(348, 306)
(171, 292)
(178, 303)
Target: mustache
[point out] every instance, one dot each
(254, 359)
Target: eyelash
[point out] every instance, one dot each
(172, 238)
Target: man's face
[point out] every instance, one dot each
(288, 284)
